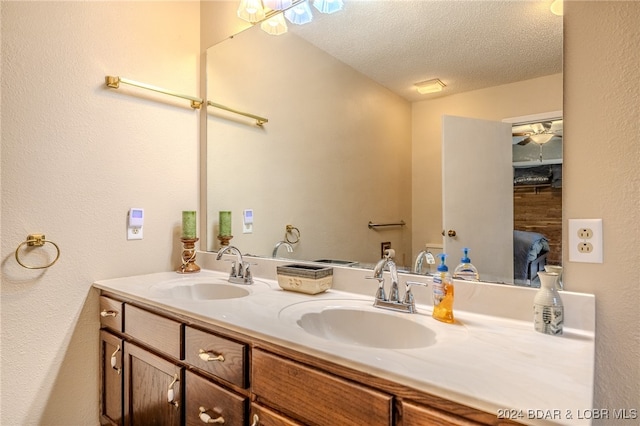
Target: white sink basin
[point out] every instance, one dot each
(202, 288)
(356, 322)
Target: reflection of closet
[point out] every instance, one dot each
(537, 183)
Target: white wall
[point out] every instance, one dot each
(75, 157)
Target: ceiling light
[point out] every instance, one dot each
(299, 14)
(275, 25)
(251, 10)
(328, 6)
(557, 7)
(430, 86)
(278, 4)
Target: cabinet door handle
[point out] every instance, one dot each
(170, 393)
(106, 313)
(210, 356)
(206, 417)
(114, 360)
(255, 420)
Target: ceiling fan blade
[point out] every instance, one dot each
(525, 141)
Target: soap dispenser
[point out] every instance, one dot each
(465, 270)
(443, 293)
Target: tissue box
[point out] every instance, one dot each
(309, 279)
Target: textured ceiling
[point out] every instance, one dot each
(468, 45)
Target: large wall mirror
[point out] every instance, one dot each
(350, 143)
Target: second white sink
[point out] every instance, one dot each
(356, 322)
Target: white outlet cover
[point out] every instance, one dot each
(596, 256)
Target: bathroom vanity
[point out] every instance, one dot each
(188, 349)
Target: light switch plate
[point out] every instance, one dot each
(585, 240)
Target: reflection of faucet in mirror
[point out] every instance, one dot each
(240, 273)
(281, 243)
(420, 258)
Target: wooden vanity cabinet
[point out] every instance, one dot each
(111, 379)
(263, 416)
(172, 369)
(420, 415)
(152, 388)
(316, 397)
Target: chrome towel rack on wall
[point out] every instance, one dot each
(372, 225)
(114, 83)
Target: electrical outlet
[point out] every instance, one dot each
(585, 240)
(384, 247)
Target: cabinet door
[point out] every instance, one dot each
(153, 389)
(420, 415)
(262, 416)
(111, 379)
(206, 402)
(316, 397)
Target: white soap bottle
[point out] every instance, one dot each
(548, 311)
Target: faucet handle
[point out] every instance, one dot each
(408, 294)
(380, 295)
(246, 273)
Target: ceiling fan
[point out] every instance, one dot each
(539, 133)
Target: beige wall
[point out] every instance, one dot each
(528, 97)
(75, 157)
(68, 171)
(332, 157)
(602, 180)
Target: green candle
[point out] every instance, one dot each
(225, 223)
(188, 224)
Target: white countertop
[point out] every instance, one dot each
(491, 363)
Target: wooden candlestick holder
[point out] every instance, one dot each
(224, 239)
(188, 256)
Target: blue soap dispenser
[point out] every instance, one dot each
(443, 293)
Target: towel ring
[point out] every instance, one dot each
(36, 240)
(293, 231)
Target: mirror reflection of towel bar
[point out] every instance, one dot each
(372, 225)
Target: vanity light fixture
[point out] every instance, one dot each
(430, 86)
(557, 7)
(275, 25)
(328, 6)
(251, 10)
(278, 4)
(299, 14)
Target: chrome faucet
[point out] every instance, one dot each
(240, 273)
(281, 243)
(393, 302)
(420, 258)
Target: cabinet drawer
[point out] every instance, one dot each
(205, 399)
(161, 333)
(316, 397)
(262, 416)
(418, 415)
(111, 313)
(217, 355)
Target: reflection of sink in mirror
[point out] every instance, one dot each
(376, 329)
(202, 288)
